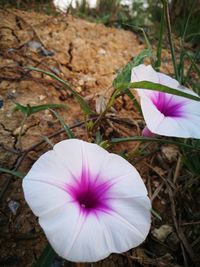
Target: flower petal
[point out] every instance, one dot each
(43, 197)
(70, 153)
(49, 168)
(144, 73)
(73, 236)
(94, 157)
(126, 181)
(128, 225)
(61, 227)
(90, 244)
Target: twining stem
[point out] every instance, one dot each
(166, 8)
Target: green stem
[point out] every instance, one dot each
(14, 173)
(159, 50)
(187, 21)
(166, 8)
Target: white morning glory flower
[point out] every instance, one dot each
(63, 5)
(90, 203)
(167, 114)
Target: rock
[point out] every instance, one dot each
(101, 51)
(1, 103)
(34, 45)
(18, 129)
(162, 233)
(13, 206)
(170, 152)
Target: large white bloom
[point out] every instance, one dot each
(90, 203)
(63, 5)
(167, 114)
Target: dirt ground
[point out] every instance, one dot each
(88, 56)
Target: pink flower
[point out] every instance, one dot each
(167, 114)
(90, 203)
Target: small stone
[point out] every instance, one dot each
(57, 262)
(78, 89)
(102, 51)
(13, 206)
(18, 129)
(34, 45)
(46, 53)
(81, 82)
(170, 152)
(162, 233)
(1, 103)
(41, 97)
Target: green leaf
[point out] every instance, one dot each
(46, 257)
(156, 87)
(125, 74)
(64, 125)
(151, 139)
(14, 173)
(84, 105)
(29, 110)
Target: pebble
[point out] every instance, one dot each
(162, 233)
(1, 103)
(13, 206)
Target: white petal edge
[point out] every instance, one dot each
(43, 198)
(122, 227)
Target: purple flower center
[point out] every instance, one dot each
(88, 199)
(168, 105)
(92, 195)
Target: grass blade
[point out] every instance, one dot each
(159, 48)
(166, 8)
(14, 173)
(156, 214)
(156, 87)
(29, 110)
(197, 69)
(150, 139)
(84, 105)
(64, 125)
